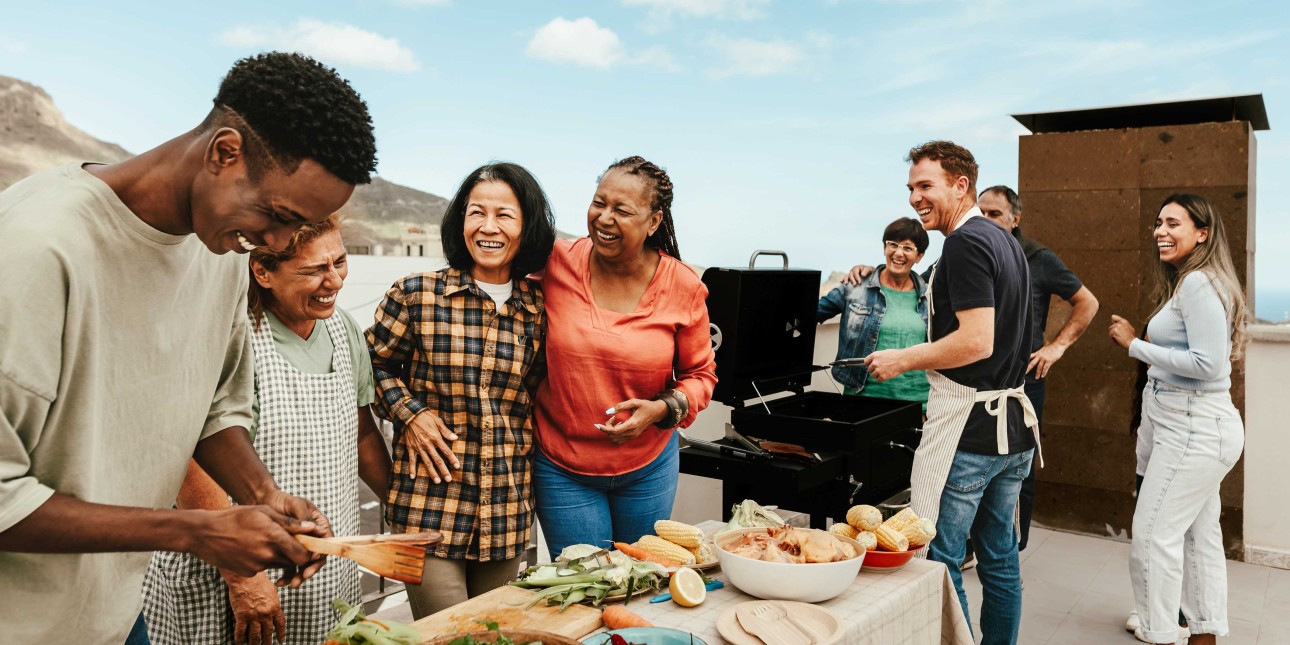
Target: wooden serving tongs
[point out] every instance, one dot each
(397, 556)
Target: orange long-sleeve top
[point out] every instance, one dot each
(597, 358)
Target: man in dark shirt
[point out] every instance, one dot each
(1048, 277)
(981, 433)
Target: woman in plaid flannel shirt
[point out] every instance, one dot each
(457, 355)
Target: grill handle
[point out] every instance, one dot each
(753, 260)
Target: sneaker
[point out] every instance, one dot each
(968, 562)
(1133, 624)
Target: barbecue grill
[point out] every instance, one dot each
(763, 332)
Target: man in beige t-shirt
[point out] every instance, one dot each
(124, 349)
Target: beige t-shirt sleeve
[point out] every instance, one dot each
(231, 405)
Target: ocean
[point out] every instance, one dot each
(1272, 305)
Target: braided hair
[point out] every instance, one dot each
(664, 237)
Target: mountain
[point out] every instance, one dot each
(34, 136)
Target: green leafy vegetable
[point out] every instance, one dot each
(354, 629)
(501, 638)
(591, 575)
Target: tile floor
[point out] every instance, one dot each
(1077, 591)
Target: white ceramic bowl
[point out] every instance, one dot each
(808, 582)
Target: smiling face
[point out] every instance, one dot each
(996, 207)
(621, 216)
(901, 257)
(492, 227)
(230, 212)
(936, 197)
(1176, 235)
(303, 288)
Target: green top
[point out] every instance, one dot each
(901, 327)
(313, 356)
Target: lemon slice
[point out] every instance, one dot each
(687, 587)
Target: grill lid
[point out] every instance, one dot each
(763, 328)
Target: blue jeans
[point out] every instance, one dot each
(585, 509)
(980, 498)
(138, 633)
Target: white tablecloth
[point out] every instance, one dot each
(913, 605)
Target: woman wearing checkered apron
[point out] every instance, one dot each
(457, 354)
(313, 431)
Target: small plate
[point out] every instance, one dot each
(823, 624)
(646, 636)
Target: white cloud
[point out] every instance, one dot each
(736, 9)
(332, 42)
(657, 57)
(748, 57)
(581, 42)
(10, 46)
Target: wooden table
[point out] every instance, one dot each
(913, 605)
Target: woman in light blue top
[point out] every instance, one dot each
(1191, 434)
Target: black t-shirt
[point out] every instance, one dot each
(983, 266)
(1048, 277)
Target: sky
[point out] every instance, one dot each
(783, 123)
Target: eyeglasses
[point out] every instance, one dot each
(892, 246)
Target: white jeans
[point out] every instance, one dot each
(1177, 555)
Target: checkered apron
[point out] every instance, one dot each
(308, 438)
(948, 406)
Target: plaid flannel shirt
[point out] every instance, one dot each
(440, 344)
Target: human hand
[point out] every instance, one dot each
(426, 438)
(1042, 360)
(246, 540)
(304, 510)
(257, 614)
(857, 274)
(630, 418)
(1122, 332)
(886, 364)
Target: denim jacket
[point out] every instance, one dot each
(862, 307)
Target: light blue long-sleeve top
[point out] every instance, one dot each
(1191, 338)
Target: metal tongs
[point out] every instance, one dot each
(744, 450)
(849, 362)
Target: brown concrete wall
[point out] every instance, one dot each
(1092, 197)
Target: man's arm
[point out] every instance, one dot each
(971, 342)
(1084, 309)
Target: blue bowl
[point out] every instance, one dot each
(646, 636)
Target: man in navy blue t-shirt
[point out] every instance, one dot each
(981, 432)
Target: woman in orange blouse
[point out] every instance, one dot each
(629, 359)
(457, 354)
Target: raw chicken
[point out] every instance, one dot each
(791, 545)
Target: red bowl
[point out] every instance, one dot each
(888, 559)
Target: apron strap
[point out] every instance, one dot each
(996, 403)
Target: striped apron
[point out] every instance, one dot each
(948, 406)
(307, 436)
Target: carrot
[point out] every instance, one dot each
(641, 554)
(616, 617)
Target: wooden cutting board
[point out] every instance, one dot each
(505, 606)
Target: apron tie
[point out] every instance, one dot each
(996, 403)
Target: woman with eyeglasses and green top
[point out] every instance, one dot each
(885, 310)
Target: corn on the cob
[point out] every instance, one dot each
(920, 532)
(890, 539)
(702, 553)
(864, 517)
(843, 529)
(658, 546)
(679, 533)
(868, 540)
(901, 520)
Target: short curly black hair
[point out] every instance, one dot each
(290, 107)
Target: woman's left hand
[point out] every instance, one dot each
(630, 418)
(1122, 332)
